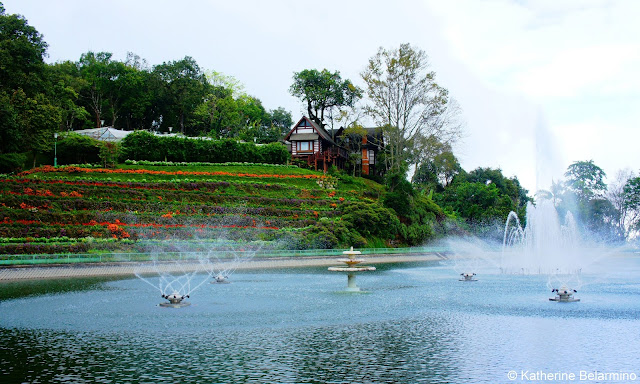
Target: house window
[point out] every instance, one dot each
(305, 146)
(372, 157)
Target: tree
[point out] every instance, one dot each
(585, 198)
(623, 195)
(586, 180)
(631, 206)
(66, 85)
(408, 104)
(22, 50)
(22, 83)
(185, 87)
(437, 167)
(281, 119)
(96, 70)
(322, 91)
(351, 139)
(38, 119)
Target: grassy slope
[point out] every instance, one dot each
(164, 207)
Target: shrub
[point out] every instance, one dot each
(371, 219)
(74, 148)
(274, 153)
(12, 162)
(143, 145)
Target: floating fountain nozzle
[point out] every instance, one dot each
(351, 269)
(564, 295)
(468, 276)
(220, 279)
(175, 300)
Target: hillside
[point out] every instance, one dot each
(176, 207)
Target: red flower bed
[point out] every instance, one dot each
(72, 169)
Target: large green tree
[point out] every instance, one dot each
(66, 86)
(584, 195)
(28, 118)
(323, 91)
(22, 51)
(185, 87)
(586, 180)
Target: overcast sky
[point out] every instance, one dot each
(542, 83)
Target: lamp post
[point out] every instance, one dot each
(55, 150)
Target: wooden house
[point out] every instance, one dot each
(320, 148)
(368, 146)
(312, 143)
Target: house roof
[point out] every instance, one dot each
(317, 128)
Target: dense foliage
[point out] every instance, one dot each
(169, 207)
(142, 145)
(120, 206)
(39, 99)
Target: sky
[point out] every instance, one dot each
(541, 83)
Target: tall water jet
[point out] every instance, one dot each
(546, 245)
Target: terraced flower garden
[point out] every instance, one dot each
(138, 208)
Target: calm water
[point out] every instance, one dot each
(417, 323)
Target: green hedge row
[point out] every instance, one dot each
(143, 145)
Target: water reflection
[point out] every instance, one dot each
(417, 324)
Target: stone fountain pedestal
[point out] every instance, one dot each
(351, 268)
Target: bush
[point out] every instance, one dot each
(371, 220)
(74, 149)
(327, 234)
(143, 145)
(12, 162)
(274, 153)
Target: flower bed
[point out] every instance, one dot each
(78, 209)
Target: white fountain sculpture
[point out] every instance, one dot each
(175, 300)
(545, 246)
(351, 269)
(468, 276)
(175, 280)
(221, 264)
(564, 295)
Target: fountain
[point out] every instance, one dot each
(564, 295)
(220, 278)
(468, 276)
(220, 264)
(175, 300)
(175, 280)
(545, 246)
(351, 269)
